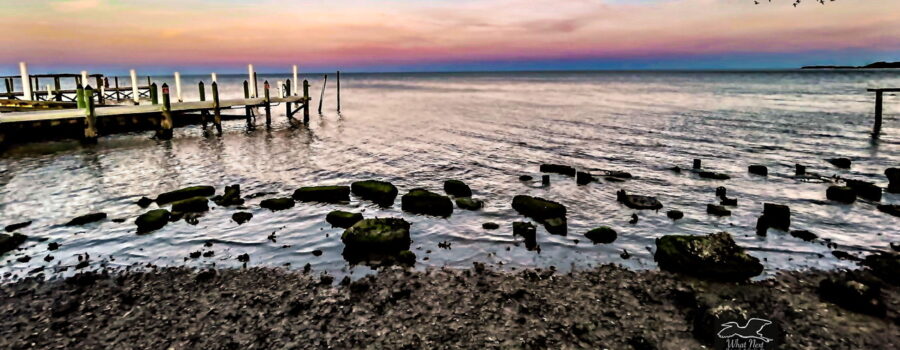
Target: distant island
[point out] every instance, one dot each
(876, 65)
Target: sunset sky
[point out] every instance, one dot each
(442, 35)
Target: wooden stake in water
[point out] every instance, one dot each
(166, 124)
(118, 95)
(251, 76)
(305, 101)
(26, 81)
(294, 88)
(267, 105)
(154, 96)
(339, 91)
(322, 95)
(79, 96)
(135, 93)
(877, 129)
(217, 116)
(90, 126)
(57, 89)
(287, 92)
(178, 86)
(215, 79)
(247, 107)
(204, 114)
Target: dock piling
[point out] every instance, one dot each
(9, 86)
(339, 91)
(876, 131)
(57, 89)
(154, 95)
(178, 87)
(26, 81)
(90, 125)
(99, 90)
(217, 116)
(287, 93)
(165, 131)
(135, 94)
(294, 88)
(305, 101)
(79, 96)
(251, 76)
(204, 114)
(247, 108)
(214, 77)
(322, 94)
(268, 106)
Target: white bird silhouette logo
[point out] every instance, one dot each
(751, 330)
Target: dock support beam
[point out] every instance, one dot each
(251, 76)
(217, 116)
(268, 106)
(165, 125)
(135, 93)
(154, 95)
(9, 87)
(56, 89)
(26, 81)
(877, 129)
(90, 123)
(305, 101)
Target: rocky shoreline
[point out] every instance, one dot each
(400, 308)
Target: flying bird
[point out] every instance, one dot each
(751, 330)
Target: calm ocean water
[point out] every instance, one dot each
(417, 130)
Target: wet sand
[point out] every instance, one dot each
(266, 308)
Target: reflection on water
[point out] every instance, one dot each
(486, 129)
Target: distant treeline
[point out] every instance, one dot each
(876, 65)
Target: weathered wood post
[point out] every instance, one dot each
(878, 99)
(57, 89)
(339, 91)
(305, 101)
(255, 86)
(148, 80)
(99, 91)
(84, 78)
(697, 164)
(135, 91)
(287, 93)
(79, 96)
(268, 106)
(215, 79)
(217, 116)
(154, 97)
(178, 87)
(251, 76)
(322, 94)
(90, 124)
(165, 130)
(294, 88)
(246, 103)
(204, 114)
(36, 86)
(9, 87)
(118, 95)
(26, 81)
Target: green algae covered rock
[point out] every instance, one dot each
(378, 235)
(381, 192)
(421, 201)
(343, 219)
(152, 220)
(715, 256)
(185, 193)
(602, 234)
(191, 205)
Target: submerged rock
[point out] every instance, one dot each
(457, 188)
(86, 219)
(843, 163)
(406, 257)
(556, 226)
(326, 194)
(381, 192)
(185, 193)
(715, 256)
(892, 209)
(729, 201)
(276, 204)
(758, 169)
(717, 210)
(804, 235)
(10, 242)
(490, 226)
(545, 180)
(526, 178)
(777, 216)
(422, 201)
(713, 175)
(583, 178)
(538, 208)
(152, 220)
(232, 196)
(617, 174)
(675, 214)
(602, 234)
(638, 202)
(721, 192)
(343, 219)
(528, 231)
(191, 205)
(865, 189)
(16, 226)
(884, 265)
(841, 194)
(558, 169)
(893, 175)
(377, 235)
(241, 217)
(468, 203)
(144, 202)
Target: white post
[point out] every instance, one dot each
(214, 78)
(294, 82)
(135, 94)
(178, 87)
(48, 93)
(250, 78)
(26, 81)
(84, 79)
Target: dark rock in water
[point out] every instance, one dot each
(381, 192)
(558, 169)
(276, 204)
(777, 216)
(241, 217)
(721, 192)
(713, 175)
(717, 210)
(152, 220)
(538, 208)
(602, 234)
(326, 194)
(614, 179)
(843, 163)
(144, 202)
(865, 189)
(16, 226)
(490, 226)
(545, 180)
(384, 235)
(185, 193)
(86, 219)
(422, 201)
(10, 242)
(52, 246)
(729, 201)
(317, 252)
(675, 214)
(556, 226)
(676, 169)
(762, 225)
(804, 235)
(697, 164)
(526, 178)
(634, 219)
(343, 219)
(799, 170)
(406, 257)
(457, 188)
(583, 178)
(192, 218)
(715, 256)
(853, 293)
(841, 194)
(468, 203)
(191, 205)
(638, 202)
(892, 209)
(244, 258)
(757, 169)
(884, 265)
(232, 196)
(842, 255)
(617, 174)
(24, 259)
(895, 246)
(195, 255)
(527, 231)
(893, 175)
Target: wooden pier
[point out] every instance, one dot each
(92, 109)
(879, 97)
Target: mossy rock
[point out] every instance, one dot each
(406, 257)
(490, 226)
(638, 202)
(602, 234)
(715, 256)
(558, 169)
(276, 204)
(556, 226)
(421, 201)
(86, 219)
(382, 193)
(804, 235)
(892, 209)
(241, 217)
(10, 242)
(717, 210)
(343, 219)
(191, 205)
(843, 163)
(843, 194)
(152, 220)
(144, 202)
(468, 203)
(583, 178)
(538, 208)
(457, 188)
(884, 265)
(326, 194)
(853, 292)
(16, 226)
(675, 214)
(377, 235)
(865, 189)
(185, 193)
(232, 196)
